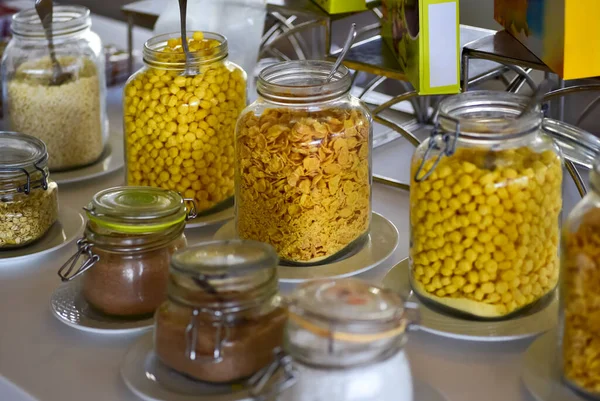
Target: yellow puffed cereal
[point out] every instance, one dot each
(504, 215)
(179, 129)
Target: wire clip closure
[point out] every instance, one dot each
(440, 141)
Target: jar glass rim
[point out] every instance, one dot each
(488, 115)
(154, 54)
(22, 158)
(65, 20)
(303, 81)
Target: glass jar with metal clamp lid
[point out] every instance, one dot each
(346, 338)
(128, 241)
(28, 198)
(485, 202)
(223, 321)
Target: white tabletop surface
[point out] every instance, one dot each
(53, 362)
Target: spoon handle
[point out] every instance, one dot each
(44, 9)
(183, 19)
(544, 87)
(342, 55)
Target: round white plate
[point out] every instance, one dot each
(379, 245)
(535, 322)
(151, 380)
(211, 219)
(541, 371)
(68, 227)
(111, 160)
(70, 308)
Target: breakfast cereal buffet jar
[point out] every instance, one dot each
(179, 130)
(68, 113)
(485, 202)
(580, 284)
(303, 149)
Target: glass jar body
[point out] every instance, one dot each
(179, 131)
(303, 179)
(25, 218)
(485, 225)
(580, 278)
(129, 283)
(249, 340)
(69, 118)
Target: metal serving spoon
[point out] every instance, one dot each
(347, 45)
(182, 18)
(44, 11)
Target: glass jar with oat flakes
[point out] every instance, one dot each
(179, 130)
(303, 151)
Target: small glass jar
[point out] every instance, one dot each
(485, 204)
(70, 117)
(128, 241)
(223, 321)
(179, 129)
(28, 198)
(346, 338)
(303, 150)
(580, 292)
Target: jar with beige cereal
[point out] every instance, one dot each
(303, 149)
(128, 241)
(485, 202)
(580, 293)
(28, 198)
(179, 130)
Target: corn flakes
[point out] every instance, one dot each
(304, 182)
(581, 295)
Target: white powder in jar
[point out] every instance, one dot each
(68, 118)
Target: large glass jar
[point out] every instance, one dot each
(28, 198)
(179, 129)
(485, 203)
(223, 321)
(580, 292)
(69, 116)
(346, 338)
(128, 241)
(303, 150)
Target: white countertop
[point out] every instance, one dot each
(53, 362)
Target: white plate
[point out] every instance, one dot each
(541, 371)
(112, 159)
(68, 306)
(379, 245)
(537, 321)
(151, 380)
(211, 219)
(68, 227)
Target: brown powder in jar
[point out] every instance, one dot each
(247, 349)
(129, 285)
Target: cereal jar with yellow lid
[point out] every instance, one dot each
(485, 203)
(303, 160)
(179, 129)
(580, 292)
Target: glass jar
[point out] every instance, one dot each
(346, 339)
(179, 129)
(303, 150)
(485, 204)
(580, 283)
(128, 241)
(223, 320)
(70, 117)
(28, 197)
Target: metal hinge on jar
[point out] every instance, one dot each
(28, 186)
(258, 382)
(193, 212)
(84, 249)
(191, 336)
(442, 141)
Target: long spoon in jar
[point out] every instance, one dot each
(44, 11)
(347, 45)
(184, 43)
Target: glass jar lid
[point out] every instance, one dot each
(349, 309)
(23, 160)
(65, 20)
(136, 209)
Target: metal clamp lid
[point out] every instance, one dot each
(84, 248)
(258, 382)
(27, 187)
(442, 141)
